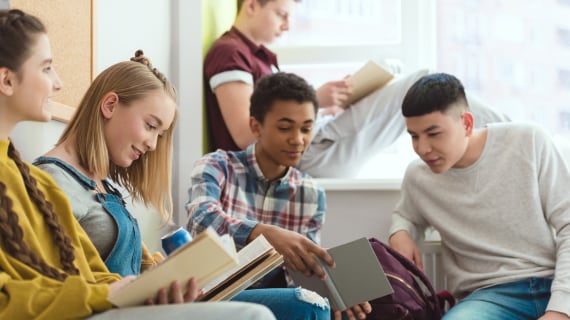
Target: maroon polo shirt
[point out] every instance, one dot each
(232, 57)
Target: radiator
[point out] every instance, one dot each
(431, 257)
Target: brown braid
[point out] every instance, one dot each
(141, 58)
(12, 234)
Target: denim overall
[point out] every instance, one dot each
(126, 255)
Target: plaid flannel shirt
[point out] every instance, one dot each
(230, 194)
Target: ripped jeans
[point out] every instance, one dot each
(289, 303)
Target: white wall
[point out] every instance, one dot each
(32, 139)
(187, 76)
(357, 213)
(124, 26)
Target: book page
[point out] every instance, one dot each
(370, 77)
(245, 277)
(252, 252)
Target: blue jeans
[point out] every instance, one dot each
(288, 303)
(525, 299)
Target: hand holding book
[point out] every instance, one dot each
(357, 277)
(372, 76)
(334, 93)
(298, 251)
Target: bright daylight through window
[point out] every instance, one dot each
(514, 55)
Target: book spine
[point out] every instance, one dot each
(337, 303)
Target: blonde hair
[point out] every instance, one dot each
(149, 178)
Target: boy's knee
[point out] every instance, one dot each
(473, 310)
(319, 306)
(461, 313)
(311, 297)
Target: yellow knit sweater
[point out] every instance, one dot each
(25, 293)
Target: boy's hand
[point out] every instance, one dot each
(405, 245)
(334, 93)
(298, 251)
(358, 311)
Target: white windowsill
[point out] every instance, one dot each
(359, 184)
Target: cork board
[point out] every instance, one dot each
(70, 26)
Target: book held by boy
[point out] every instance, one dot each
(370, 77)
(357, 277)
(209, 260)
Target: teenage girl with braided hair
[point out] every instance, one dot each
(48, 267)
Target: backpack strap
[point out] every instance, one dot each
(446, 296)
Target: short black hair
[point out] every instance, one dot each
(433, 92)
(280, 86)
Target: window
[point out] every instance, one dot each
(518, 51)
(345, 23)
(514, 55)
(564, 37)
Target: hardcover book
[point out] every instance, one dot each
(357, 277)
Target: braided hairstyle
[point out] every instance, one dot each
(17, 35)
(141, 58)
(12, 234)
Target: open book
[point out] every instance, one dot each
(357, 277)
(207, 259)
(256, 260)
(370, 77)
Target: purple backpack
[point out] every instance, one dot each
(413, 297)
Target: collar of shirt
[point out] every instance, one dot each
(255, 170)
(258, 50)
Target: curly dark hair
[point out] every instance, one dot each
(280, 86)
